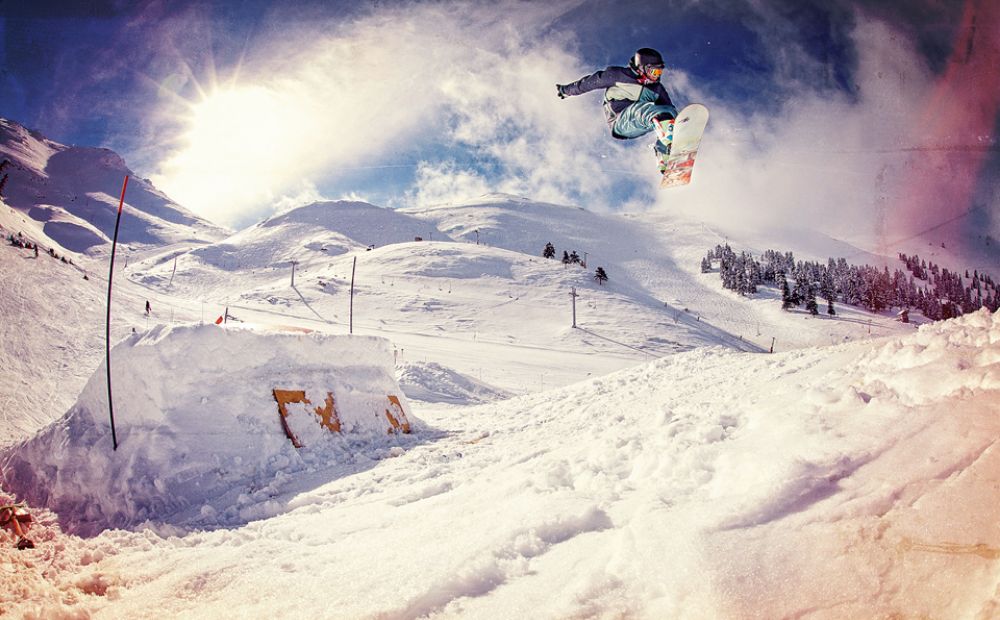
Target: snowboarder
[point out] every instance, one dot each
(635, 102)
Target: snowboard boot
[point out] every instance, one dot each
(662, 151)
(664, 127)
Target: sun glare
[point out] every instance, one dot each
(240, 142)
(234, 122)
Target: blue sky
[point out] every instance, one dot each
(238, 108)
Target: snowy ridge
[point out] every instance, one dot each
(211, 433)
(331, 228)
(73, 192)
(523, 225)
(309, 235)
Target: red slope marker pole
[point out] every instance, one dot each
(107, 333)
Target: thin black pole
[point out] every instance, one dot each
(107, 333)
(353, 267)
(573, 296)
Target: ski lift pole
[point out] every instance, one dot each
(107, 332)
(573, 296)
(354, 267)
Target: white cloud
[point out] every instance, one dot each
(822, 160)
(306, 193)
(321, 98)
(427, 84)
(441, 184)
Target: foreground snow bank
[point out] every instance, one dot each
(852, 481)
(200, 436)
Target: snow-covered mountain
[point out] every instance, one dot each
(654, 461)
(496, 301)
(309, 235)
(73, 191)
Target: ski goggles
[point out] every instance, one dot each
(653, 73)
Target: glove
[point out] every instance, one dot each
(560, 91)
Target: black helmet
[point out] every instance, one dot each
(648, 63)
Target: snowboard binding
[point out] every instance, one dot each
(664, 139)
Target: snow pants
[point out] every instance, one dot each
(637, 119)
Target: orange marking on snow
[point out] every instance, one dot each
(328, 414)
(283, 398)
(393, 420)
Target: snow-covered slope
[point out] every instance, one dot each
(52, 332)
(73, 192)
(857, 480)
(309, 235)
(658, 253)
(648, 463)
(489, 312)
(444, 288)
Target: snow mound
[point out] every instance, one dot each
(334, 228)
(433, 383)
(200, 437)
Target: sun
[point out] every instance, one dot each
(238, 142)
(235, 122)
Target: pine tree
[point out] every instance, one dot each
(801, 285)
(601, 276)
(565, 258)
(549, 251)
(754, 274)
(786, 294)
(574, 257)
(827, 289)
(810, 298)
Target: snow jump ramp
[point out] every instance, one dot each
(212, 424)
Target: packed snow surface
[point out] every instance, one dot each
(857, 480)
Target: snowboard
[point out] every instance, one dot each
(688, 128)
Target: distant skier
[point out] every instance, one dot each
(635, 102)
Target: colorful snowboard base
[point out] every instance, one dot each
(687, 132)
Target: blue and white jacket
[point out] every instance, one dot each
(622, 89)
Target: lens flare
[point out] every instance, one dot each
(955, 135)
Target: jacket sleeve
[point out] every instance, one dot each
(602, 79)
